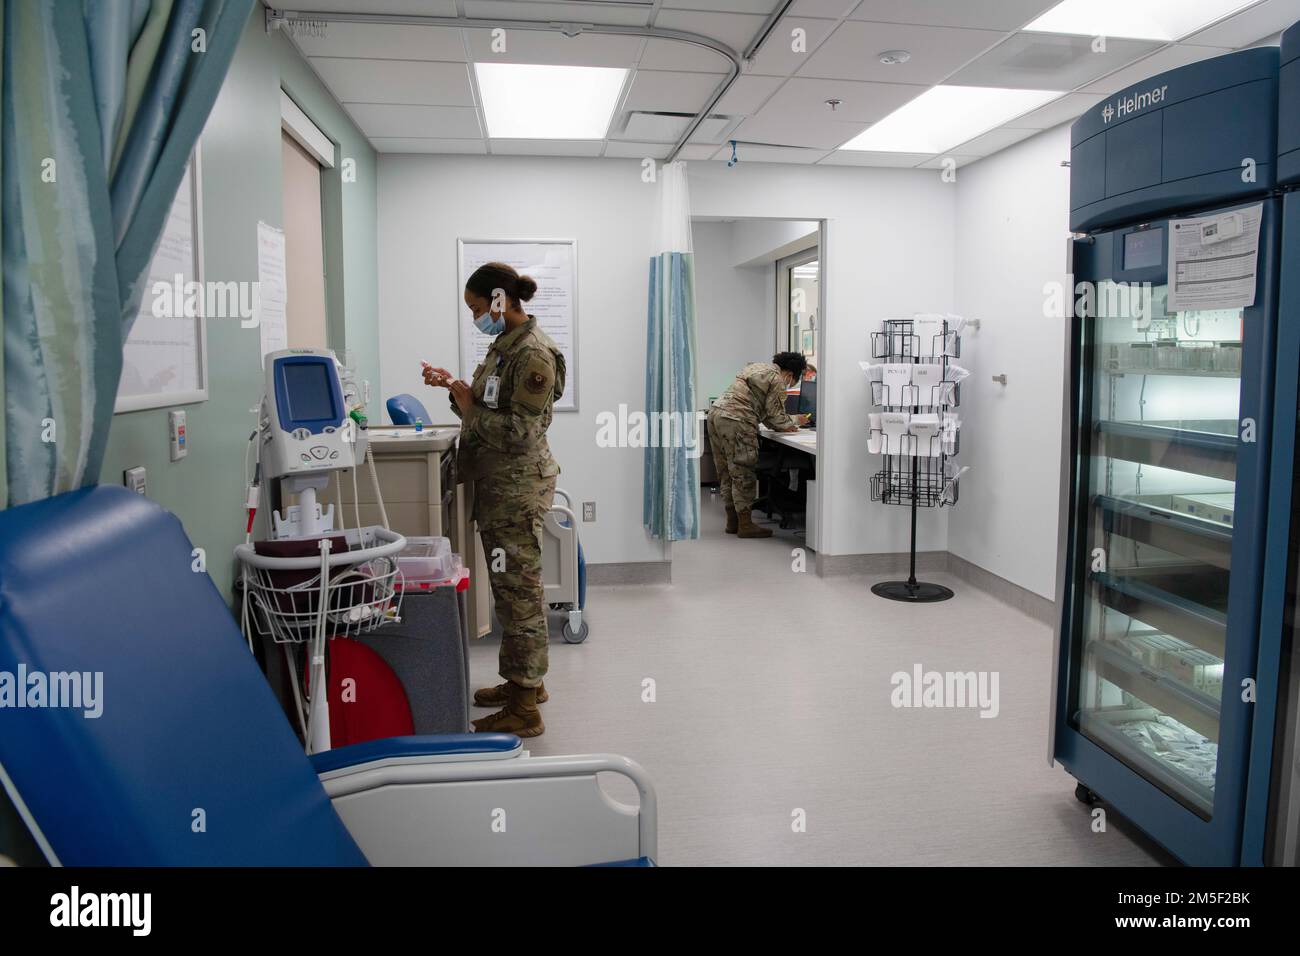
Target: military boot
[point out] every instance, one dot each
(520, 716)
(747, 528)
(496, 696)
(732, 519)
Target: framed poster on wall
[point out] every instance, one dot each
(164, 359)
(553, 264)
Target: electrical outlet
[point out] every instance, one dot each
(134, 478)
(589, 511)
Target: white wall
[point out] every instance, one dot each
(427, 202)
(735, 323)
(1012, 224)
(758, 241)
(888, 252)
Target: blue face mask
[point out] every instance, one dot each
(490, 326)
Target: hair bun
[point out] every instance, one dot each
(526, 288)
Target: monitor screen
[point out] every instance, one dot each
(808, 397)
(307, 387)
(1144, 248)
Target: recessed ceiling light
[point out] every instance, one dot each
(946, 116)
(1164, 20)
(532, 101)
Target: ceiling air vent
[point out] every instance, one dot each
(669, 127)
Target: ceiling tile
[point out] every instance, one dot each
(991, 142)
(1250, 25)
(674, 92)
(640, 150)
(747, 94)
(691, 151)
(415, 144)
(737, 30)
(852, 51)
(1003, 15)
(547, 147)
(1069, 107)
(833, 9)
(773, 154)
(676, 55)
(855, 157)
(533, 46)
(427, 8)
(449, 122)
(396, 81)
(861, 103)
(1048, 61)
(959, 160)
(762, 7)
(568, 11)
(1170, 58)
(811, 130)
(381, 41)
(777, 56)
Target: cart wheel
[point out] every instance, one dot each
(571, 638)
(1084, 795)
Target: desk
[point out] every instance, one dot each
(804, 440)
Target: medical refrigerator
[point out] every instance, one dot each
(1275, 766)
(1167, 455)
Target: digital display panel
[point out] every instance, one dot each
(1144, 249)
(307, 386)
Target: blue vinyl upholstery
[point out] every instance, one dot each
(429, 745)
(404, 409)
(100, 580)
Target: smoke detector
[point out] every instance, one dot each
(893, 57)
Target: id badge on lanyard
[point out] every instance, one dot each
(492, 388)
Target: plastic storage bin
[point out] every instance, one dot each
(427, 559)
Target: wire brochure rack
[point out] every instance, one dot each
(914, 425)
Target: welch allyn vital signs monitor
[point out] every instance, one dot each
(304, 433)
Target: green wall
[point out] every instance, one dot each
(241, 185)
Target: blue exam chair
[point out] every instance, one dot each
(404, 409)
(190, 760)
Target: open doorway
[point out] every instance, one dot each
(758, 294)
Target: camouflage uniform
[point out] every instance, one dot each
(504, 451)
(756, 396)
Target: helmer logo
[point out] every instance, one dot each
(1127, 105)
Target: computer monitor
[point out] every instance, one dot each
(792, 404)
(808, 397)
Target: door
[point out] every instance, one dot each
(1171, 421)
(304, 253)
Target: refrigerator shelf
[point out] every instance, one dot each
(1152, 597)
(1188, 536)
(1209, 450)
(1192, 708)
(1105, 727)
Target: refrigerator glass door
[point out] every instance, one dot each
(1160, 495)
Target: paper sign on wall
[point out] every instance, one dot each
(272, 289)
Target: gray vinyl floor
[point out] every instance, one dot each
(773, 694)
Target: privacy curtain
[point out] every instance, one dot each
(103, 101)
(672, 473)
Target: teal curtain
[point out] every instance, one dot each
(103, 101)
(671, 503)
